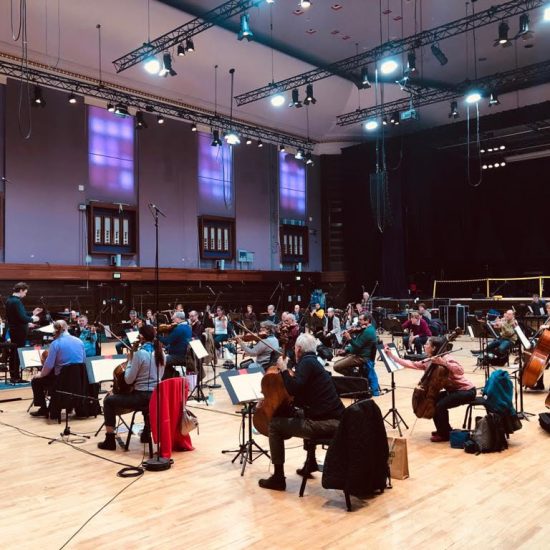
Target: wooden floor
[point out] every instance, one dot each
(452, 500)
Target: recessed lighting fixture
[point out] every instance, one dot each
(502, 147)
(72, 99)
(248, 141)
(160, 119)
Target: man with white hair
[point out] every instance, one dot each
(64, 351)
(272, 315)
(314, 393)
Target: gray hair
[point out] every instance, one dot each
(291, 316)
(179, 315)
(60, 326)
(330, 309)
(307, 343)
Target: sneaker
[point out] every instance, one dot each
(42, 411)
(438, 438)
(273, 483)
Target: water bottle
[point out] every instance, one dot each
(210, 396)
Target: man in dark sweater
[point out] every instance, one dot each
(314, 392)
(18, 324)
(176, 344)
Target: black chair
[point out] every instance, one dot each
(477, 402)
(146, 430)
(69, 390)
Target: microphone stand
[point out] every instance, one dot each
(158, 463)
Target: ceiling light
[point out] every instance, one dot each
(502, 147)
(309, 95)
(484, 167)
(110, 107)
(502, 164)
(140, 121)
(305, 4)
(260, 144)
(472, 97)
(248, 141)
(388, 66)
(384, 121)
(493, 100)
(181, 50)
(277, 100)
(503, 39)
(232, 138)
(438, 54)
(490, 150)
(189, 46)
(72, 99)
(160, 119)
(497, 164)
(167, 68)
(490, 165)
(411, 62)
(482, 151)
(309, 159)
(524, 27)
(152, 65)
(371, 125)
(282, 148)
(295, 99)
(299, 154)
(121, 110)
(269, 1)
(365, 81)
(546, 16)
(395, 118)
(245, 31)
(454, 110)
(38, 98)
(216, 138)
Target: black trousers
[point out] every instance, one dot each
(448, 400)
(19, 338)
(42, 385)
(114, 403)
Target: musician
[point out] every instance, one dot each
(331, 329)
(249, 319)
(361, 351)
(88, 335)
(425, 313)
(315, 394)
(64, 351)
(272, 315)
(537, 306)
(176, 343)
(179, 307)
(134, 323)
(196, 334)
(419, 332)
(221, 323)
(459, 390)
(74, 329)
(314, 322)
(150, 318)
(208, 317)
(18, 322)
(142, 373)
(265, 346)
(298, 315)
(507, 335)
(366, 303)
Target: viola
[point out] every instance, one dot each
(119, 382)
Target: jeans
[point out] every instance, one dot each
(284, 428)
(448, 400)
(372, 377)
(114, 403)
(500, 347)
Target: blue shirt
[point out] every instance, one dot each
(89, 339)
(64, 350)
(177, 341)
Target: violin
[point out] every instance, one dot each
(166, 328)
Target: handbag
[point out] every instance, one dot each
(189, 422)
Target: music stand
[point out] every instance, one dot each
(482, 331)
(518, 374)
(244, 387)
(200, 353)
(391, 367)
(30, 357)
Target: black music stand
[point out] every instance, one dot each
(244, 388)
(518, 375)
(482, 331)
(391, 367)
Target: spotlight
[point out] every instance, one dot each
(394, 119)
(438, 54)
(371, 125)
(388, 66)
(245, 31)
(309, 95)
(160, 119)
(231, 138)
(189, 46)
(484, 167)
(216, 138)
(121, 110)
(454, 110)
(167, 68)
(260, 144)
(365, 81)
(140, 121)
(524, 27)
(38, 98)
(278, 100)
(305, 4)
(411, 62)
(282, 148)
(295, 99)
(502, 164)
(299, 154)
(472, 97)
(546, 16)
(248, 141)
(181, 50)
(503, 39)
(152, 65)
(493, 100)
(502, 147)
(497, 164)
(490, 150)
(308, 159)
(110, 107)
(490, 165)
(72, 99)
(193, 127)
(269, 1)
(482, 151)
(384, 121)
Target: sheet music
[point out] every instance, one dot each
(48, 329)
(108, 333)
(31, 357)
(198, 349)
(247, 387)
(521, 335)
(103, 367)
(470, 331)
(390, 364)
(132, 335)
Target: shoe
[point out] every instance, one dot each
(438, 438)
(42, 411)
(109, 444)
(307, 470)
(273, 483)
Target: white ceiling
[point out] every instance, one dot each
(63, 33)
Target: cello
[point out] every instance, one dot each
(536, 363)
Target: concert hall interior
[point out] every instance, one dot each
(209, 205)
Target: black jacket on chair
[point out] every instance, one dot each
(357, 459)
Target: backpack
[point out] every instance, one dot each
(489, 435)
(436, 326)
(498, 393)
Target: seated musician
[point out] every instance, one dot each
(250, 320)
(64, 351)
(288, 334)
(176, 342)
(537, 306)
(419, 332)
(425, 313)
(366, 303)
(265, 346)
(332, 332)
(507, 335)
(315, 394)
(221, 323)
(319, 311)
(88, 335)
(150, 318)
(142, 373)
(133, 324)
(272, 315)
(192, 362)
(314, 323)
(459, 390)
(73, 323)
(360, 351)
(298, 315)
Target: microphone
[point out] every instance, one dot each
(156, 209)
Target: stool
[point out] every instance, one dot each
(147, 425)
(477, 402)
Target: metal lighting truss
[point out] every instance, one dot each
(499, 83)
(183, 32)
(36, 74)
(395, 47)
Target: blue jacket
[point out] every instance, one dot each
(177, 341)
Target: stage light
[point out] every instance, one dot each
(167, 68)
(309, 95)
(216, 141)
(152, 65)
(503, 39)
(482, 151)
(454, 110)
(388, 66)
(282, 148)
(160, 119)
(181, 50)
(493, 100)
(245, 31)
(438, 54)
(484, 167)
(490, 165)
(299, 154)
(546, 16)
(472, 97)
(411, 62)
(140, 121)
(524, 27)
(394, 119)
(305, 4)
(232, 138)
(384, 121)
(121, 110)
(110, 107)
(248, 141)
(497, 164)
(269, 1)
(371, 125)
(365, 81)
(502, 147)
(309, 159)
(278, 100)
(189, 46)
(295, 99)
(72, 99)
(38, 98)
(193, 127)
(260, 144)
(502, 164)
